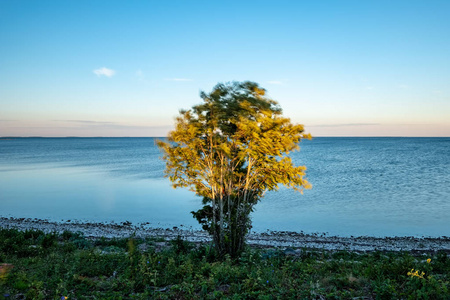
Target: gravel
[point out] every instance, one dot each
(270, 239)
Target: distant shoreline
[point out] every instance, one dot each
(282, 239)
(161, 137)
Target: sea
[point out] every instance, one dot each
(360, 186)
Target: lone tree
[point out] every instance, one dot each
(231, 150)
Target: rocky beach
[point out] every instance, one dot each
(269, 239)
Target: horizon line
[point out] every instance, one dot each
(319, 136)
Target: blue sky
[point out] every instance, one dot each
(125, 68)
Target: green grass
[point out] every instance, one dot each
(51, 266)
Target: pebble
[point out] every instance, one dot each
(283, 239)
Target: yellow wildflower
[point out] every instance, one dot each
(429, 260)
(413, 273)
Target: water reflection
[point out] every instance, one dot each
(57, 193)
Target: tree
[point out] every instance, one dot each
(230, 150)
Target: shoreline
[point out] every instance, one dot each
(270, 239)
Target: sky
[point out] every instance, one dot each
(126, 68)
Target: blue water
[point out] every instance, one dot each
(361, 186)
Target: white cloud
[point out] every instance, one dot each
(140, 75)
(345, 125)
(83, 121)
(104, 72)
(178, 79)
(274, 82)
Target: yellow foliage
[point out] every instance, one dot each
(231, 149)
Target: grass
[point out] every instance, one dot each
(36, 265)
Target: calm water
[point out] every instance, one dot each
(361, 186)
